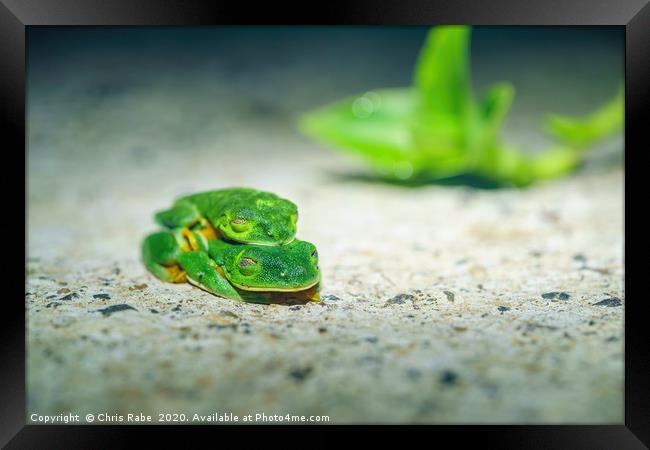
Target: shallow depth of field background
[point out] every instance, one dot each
(433, 298)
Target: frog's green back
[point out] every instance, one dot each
(247, 215)
(212, 203)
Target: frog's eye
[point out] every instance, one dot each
(248, 266)
(238, 224)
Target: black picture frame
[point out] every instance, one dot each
(634, 15)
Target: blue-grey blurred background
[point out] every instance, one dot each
(267, 76)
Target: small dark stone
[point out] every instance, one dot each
(580, 258)
(609, 302)
(155, 311)
(300, 373)
(450, 295)
(295, 308)
(400, 299)
(480, 287)
(50, 297)
(591, 322)
(115, 308)
(448, 377)
(53, 305)
(372, 339)
(70, 296)
(503, 308)
(102, 296)
(332, 298)
(49, 353)
(176, 308)
(322, 330)
(556, 295)
(232, 326)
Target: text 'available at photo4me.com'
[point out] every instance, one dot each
(136, 418)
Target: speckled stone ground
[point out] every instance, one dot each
(442, 304)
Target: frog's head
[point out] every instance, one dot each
(287, 268)
(265, 219)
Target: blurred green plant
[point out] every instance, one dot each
(435, 129)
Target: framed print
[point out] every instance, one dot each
(412, 213)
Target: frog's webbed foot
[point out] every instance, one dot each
(160, 252)
(204, 273)
(179, 216)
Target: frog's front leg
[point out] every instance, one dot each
(183, 214)
(203, 272)
(160, 252)
(186, 219)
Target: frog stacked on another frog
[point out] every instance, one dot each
(238, 243)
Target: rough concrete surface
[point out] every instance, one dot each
(441, 304)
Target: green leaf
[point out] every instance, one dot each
(496, 104)
(446, 128)
(375, 125)
(491, 114)
(584, 131)
(442, 72)
(383, 128)
(520, 169)
(435, 129)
